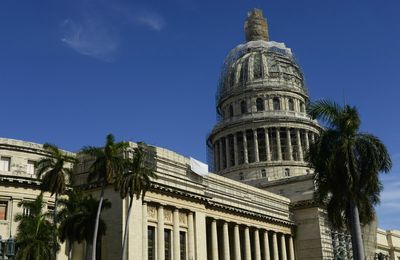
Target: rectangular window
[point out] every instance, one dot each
(167, 244)
(5, 164)
(151, 243)
(182, 242)
(3, 210)
(50, 209)
(30, 167)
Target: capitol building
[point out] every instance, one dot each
(255, 199)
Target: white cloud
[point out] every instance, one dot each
(90, 37)
(151, 20)
(139, 16)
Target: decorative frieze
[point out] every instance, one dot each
(152, 212)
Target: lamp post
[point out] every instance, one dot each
(7, 248)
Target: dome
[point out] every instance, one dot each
(260, 64)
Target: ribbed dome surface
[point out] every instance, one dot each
(258, 64)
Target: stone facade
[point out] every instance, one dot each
(188, 216)
(18, 182)
(388, 244)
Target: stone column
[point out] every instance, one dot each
(266, 246)
(271, 104)
(256, 154)
(278, 143)
(221, 155)
(214, 240)
(289, 144)
(200, 232)
(176, 242)
(238, 254)
(267, 146)
(257, 250)
(247, 247)
(144, 231)
(283, 247)
(160, 233)
(312, 137)
(291, 249)
(299, 147)
(235, 149)
(246, 155)
(226, 241)
(227, 154)
(307, 140)
(275, 246)
(190, 236)
(216, 156)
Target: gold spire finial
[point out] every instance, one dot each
(256, 27)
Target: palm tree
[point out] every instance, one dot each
(108, 164)
(35, 232)
(134, 182)
(347, 164)
(77, 220)
(54, 174)
(70, 207)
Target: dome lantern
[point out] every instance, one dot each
(256, 27)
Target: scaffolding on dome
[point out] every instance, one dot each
(241, 50)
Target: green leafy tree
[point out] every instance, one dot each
(108, 164)
(134, 182)
(76, 220)
(347, 165)
(36, 236)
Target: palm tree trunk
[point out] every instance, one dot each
(55, 224)
(70, 250)
(96, 226)
(124, 243)
(356, 238)
(88, 252)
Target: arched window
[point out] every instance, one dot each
(243, 107)
(260, 104)
(263, 173)
(287, 172)
(230, 111)
(277, 103)
(291, 104)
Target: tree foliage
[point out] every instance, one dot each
(36, 236)
(347, 163)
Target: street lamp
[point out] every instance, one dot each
(7, 248)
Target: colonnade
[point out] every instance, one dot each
(261, 144)
(248, 243)
(156, 248)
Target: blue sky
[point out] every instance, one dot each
(72, 71)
